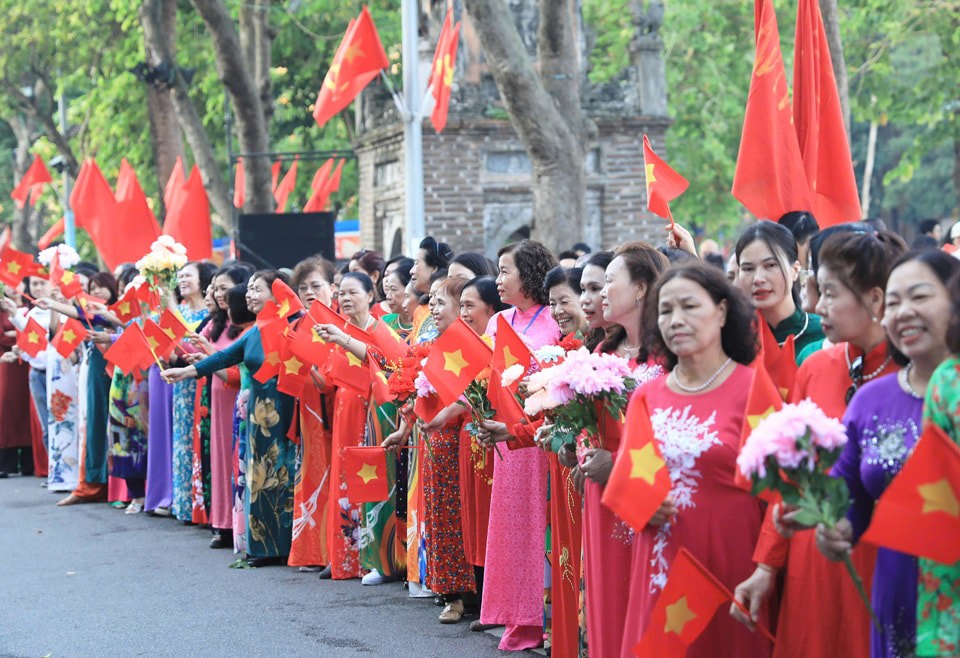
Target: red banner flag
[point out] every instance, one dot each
(68, 282)
(188, 218)
(427, 407)
(95, 209)
(33, 338)
(763, 399)
(292, 373)
(16, 266)
(239, 185)
(818, 118)
(685, 607)
(68, 337)
(136, 226)
(287, 301)
(175, 183)
(131, 351)
(272, 341)
(358, 60)
(31, 185)
(442, 71)
(456, 358)
(173, 325)
(509, 348)
(365, 474)
(323, 314)
(919, 512)
(506, 408)
(640, 480)
(346, 370)
(283, 191)
(663, 183)
(769, 179)
(779, 360)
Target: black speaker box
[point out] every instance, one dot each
(272, 241)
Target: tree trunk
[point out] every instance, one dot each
(240, 83)
(165, 135)
(156, 41)
(25, 231)
(865, 197)
(545, 112)
(256, 39)
(47, 124)
(831, 24)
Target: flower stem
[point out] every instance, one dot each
(863, 592)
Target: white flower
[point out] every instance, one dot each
(166, 241)
(68, 256)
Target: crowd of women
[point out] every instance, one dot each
(485, 516)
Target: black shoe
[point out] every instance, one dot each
(222, 539)
(256, 562)
(4, 475)
(326, 574)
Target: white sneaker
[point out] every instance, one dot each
(418, 591)
(372, 578)
(134, 508)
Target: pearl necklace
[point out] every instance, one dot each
(872, 375)
(904, 377)
(710, 380)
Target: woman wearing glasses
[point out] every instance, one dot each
(852, 273)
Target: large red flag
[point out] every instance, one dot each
(282, 194)
(31, 185)
(442, 71)
(136, 225)
(239, 185)
(456, 358)
(509, 349)
(345, 369)
(365, 474)
(188, 218)
(919, 512)
(15, 266)
(663, 183)
(175, 182)
(95, 208)
(685, 607)
(769, 179)
(33, 338)
(358, 60)
(68, 337)
(820, 128)
(640, 480)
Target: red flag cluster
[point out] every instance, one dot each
(358, 60)
(795, 158)
(323, 185)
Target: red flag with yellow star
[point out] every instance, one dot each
(664, 184)
(346, 370)
(127, 307)
(769, 179)
(379, 384)
(685, 607)
(506, 408)
(919, 512)
(292, 372)
(15, 266)
(387, 342)
(131, 351)
(272, 341)
(509, 348)
(69, 336)
(287, 301)
(323, 314)
(33, 338)
(443, 69)
(307, 344)
(365, 474)
(763, 399)
(640, 480)
(160, 341)
(779, 360)
(456, 358)
(358, 60)
(173, 325)
(68, 282)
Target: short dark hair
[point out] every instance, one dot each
(479, 264)
(600, 259)
(238, 310)
(816, 242)
(365, 281)
(533, 261)
(269, 276)
(308, 266)
(401, 271)
(487, 290)
(862, 261)
(946, 268)
(924, 242)
(558, 276)
(927, 226)
(802, 224)
(370, 261)
(105, 280)
(567, 253)
(739, 333)
(581, 246)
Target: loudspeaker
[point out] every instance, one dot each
(271, 241)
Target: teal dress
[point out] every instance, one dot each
(807, 332)
(270, 457)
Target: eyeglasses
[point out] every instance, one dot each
(856, 378)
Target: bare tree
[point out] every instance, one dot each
(26, 220)
(544, 108)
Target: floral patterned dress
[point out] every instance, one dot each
(126, 431)
(63, 439)
(938, 595)
(184, 395)
(270, 455)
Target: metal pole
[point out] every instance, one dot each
(69, 226)
(412, 129)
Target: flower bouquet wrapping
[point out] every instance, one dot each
(791, 452)
(160, 265)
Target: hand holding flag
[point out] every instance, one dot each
(663, 183)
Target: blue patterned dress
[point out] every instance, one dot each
(183, 404)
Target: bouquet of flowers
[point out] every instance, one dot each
(572, 392)
(161, 264)
(67, 256)
(403, 380)
(791, 452)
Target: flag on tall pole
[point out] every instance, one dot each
(769, 179)
(188, 217)
(31, 185)
(664, 184)
(818, 118)
(282, 194)
(443, 69)
(359, 59)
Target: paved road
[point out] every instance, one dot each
(88, 580)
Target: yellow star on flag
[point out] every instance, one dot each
(447, 71)
(315, 337)
(352, 52)
(69, 335)
(284, 309)
(454, 362)
(508, 358)
(755, 419)
(169, 332)
(367, 473)
(32, 337)
(13, 268)
(154, 343)
(67, 277)
(273, 358)
(353, 361)
(292, 365)
(651, 177)
(125, 307)
(645, 464)
(331, 80)
(939, 496)
(679, 615)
